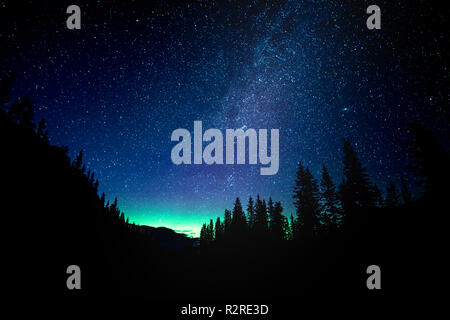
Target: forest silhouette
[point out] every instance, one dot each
(53, 216)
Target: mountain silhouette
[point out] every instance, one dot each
(168, 238)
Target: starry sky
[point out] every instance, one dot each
(137, 70)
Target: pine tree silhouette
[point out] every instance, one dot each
(270, 212)
(102, 199)
(406, 194)
(286, 229)
(293, 228)
(203, 236)
(238, 221)
(306, 195)
(260, 227)
(330, 207)
(42, 132)
(392, 195)
(210, 232)
(78, 160)
(27, 118)
(96, 186)
(277, 221)
(17, 109)
(356, 190)
(227, 223)
(218, 229)
(378, 197)
(250, 213)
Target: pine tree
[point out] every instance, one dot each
(270, 211)
(260, 226)
(287, 235)
(210, 231)
(330, 213)
(42, 132)
(91, 179)
(264, 217)
(102, 199)
(218, 230)
(276, 222)
(16, 110)
(227, 222)
(238, 221)
(392, 195)
(377, 197)
(203, 237)
(78, 160)
(114, 210)
(293, 227)
(251, 213)
(27, 119)
(406, 194)
(22, 112)
(307, 201)
(356, 190)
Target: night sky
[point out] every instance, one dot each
(136, 71)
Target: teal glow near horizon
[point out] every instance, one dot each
(188, 223)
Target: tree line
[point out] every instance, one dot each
(321, 207)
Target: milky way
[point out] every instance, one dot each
(135, 72)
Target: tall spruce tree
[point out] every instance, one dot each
(293, 227)
(218, 230)
(406, 194)
(377, 197)
(250, 213)
(78, 160)
(238, 221)
(203, 236)
(16, 110)
(42, 132)
(286, 228)
(356, 190)
(227, 222)
(260, 226)
(276, 222)
(210, 231)
(27, 119)
(306, 201)
(392, 195)
(270, 211)
(330, 211)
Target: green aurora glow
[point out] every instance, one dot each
(188, 223)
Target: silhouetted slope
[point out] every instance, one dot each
(53, 218)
